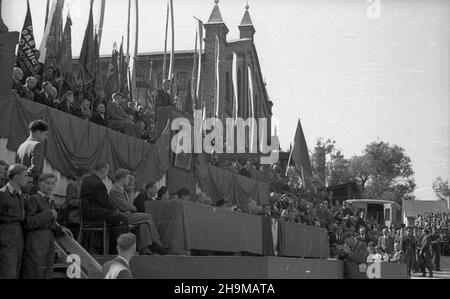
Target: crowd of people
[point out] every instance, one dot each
(119, 112)
(29, 220)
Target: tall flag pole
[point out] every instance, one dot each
(252, 109)
(98, 75)
(102, 20)
(235, 85)
(26, 53)
(289, 160)
(87, 56)
(217, 106)
(300, 155)
(112, 77)
(197, 69)
(165, 42)
(53, 42)
(172, 52)
(65, 55)
(47, 11)
(43, 45)
(128, 28)
(133, 61)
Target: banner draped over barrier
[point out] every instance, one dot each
(75, 143)
(222, 184)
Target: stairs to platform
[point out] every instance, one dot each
(74, 262)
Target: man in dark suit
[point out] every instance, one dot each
(163, 97)
(12, 216)
(356, 256)
(96, 206)
(149, 194)
(44, 97)
(31, 152)
(118, 119)
(409, 250)
(99, 116)
(425, 254)
(386, 241)
(119, 268)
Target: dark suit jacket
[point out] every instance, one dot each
(140, 200)
(163, 99)
(39, 215)
(120, 201)
(116, 112)
(19, 87)
(116, 269)
(31, 155)
(387, 243)
(94, 193)
(99, 120)
(11, 206)
(43, 99)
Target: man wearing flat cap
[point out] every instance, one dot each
(12, 216)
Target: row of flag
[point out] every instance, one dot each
(54, 58)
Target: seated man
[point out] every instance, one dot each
(184, 194)
(149, 194)
(148, 234)
(96, 206)
(99, 117)
(118, 119)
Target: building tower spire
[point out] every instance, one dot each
(246, 28)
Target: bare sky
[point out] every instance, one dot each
(348, 77)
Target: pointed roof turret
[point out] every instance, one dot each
(246, 20)
(216, 16)
(246, 28)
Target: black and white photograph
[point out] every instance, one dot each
(210, 142)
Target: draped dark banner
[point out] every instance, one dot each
(75, 143)
(223, 184)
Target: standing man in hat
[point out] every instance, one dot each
(12, 216)
(31, 153)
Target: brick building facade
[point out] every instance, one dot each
(149, 71)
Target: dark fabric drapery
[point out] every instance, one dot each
(298, 240)
(223, 184)
(189, 226)
(75, 143)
